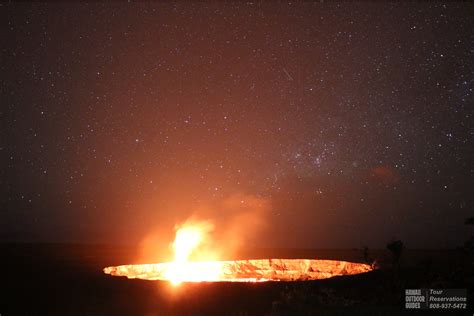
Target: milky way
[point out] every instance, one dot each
(353, 120)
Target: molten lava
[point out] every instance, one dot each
(241, 270)
(188, 239)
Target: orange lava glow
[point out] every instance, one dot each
(258, 270)
(190, 236)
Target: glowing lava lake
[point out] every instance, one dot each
(257, 270)
(191, 235)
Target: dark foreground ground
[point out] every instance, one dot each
(54, 279)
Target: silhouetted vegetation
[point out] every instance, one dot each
(469, 244)
(366, 255)
(469, 221)
(396, 248)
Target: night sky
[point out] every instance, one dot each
(351, 123)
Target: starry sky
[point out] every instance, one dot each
(352, 121)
